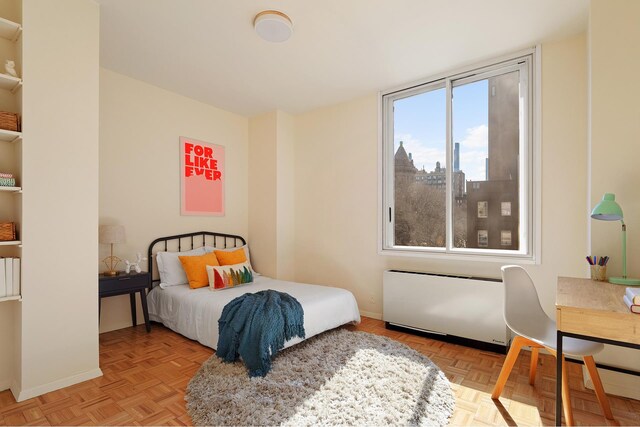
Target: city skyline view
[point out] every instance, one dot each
(419, 121)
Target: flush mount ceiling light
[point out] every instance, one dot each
(273, 26)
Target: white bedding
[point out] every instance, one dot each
(194, 313)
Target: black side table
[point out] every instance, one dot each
(123, 284)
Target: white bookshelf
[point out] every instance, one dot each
(12, 298)
(10, 90)
(10, 30)
(11, 189)
(10, 136)
(10, 83)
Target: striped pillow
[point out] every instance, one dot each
(229, 276)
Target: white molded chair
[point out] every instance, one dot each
(526, 318)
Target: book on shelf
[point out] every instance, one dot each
(634, 295)
(634, 308)
(9, 277)
(16, 276)
(8, 270)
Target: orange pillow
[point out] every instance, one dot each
(195, 268)
(231, 257)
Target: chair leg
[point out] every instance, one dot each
(516, 345)
(534, 365)
(597, 386)
(566, 397)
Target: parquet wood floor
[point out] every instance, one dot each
(145, 377)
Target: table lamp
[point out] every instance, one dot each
(609, 210)
(111, 234)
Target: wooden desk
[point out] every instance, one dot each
(593, 311)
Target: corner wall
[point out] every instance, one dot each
(271, 192)
(140, 126)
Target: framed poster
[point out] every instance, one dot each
(202, 177)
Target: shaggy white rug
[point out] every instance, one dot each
(336, 378)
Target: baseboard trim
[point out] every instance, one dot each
(22, 395)
(377, 316)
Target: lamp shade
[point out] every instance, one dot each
(110, 234)
(608, 209)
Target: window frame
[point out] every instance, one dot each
(529, 190)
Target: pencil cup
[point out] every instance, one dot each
(599, 273)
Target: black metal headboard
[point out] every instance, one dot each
(190, 241)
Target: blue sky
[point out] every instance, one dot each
(420, 122)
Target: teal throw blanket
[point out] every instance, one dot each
(256, 326)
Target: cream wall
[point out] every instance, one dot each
(271, 194)
(285, 221)
(263, 190)
(614, 37)
(336, 207)
(615, 126)
(58, 335)
(139, 170)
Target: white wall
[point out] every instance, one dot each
(59, 331)
(336, 191)
(285, 222)
(614, 37)
(263, 142)
(615, 126)
(139, 170)
(271, 194)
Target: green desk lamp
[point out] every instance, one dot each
(609, 210)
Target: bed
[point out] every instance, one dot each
(194, 313)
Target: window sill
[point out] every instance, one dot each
(458, 256)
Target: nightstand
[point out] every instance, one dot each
(123, 284)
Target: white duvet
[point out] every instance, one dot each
(194, 313)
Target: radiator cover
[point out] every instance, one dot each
(458, 306)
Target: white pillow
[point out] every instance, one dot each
(170, 267)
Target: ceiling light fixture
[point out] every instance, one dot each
(273, 26)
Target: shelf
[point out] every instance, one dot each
(11, 189)
(10, 83)
(11, 243)
(10, 30)
(9, 135)
(13, 298)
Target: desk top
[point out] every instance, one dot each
(587, 307)
(591, 295)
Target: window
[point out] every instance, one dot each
(505, 238)
(483, 209)
(471, 134)
(505, 208)
(483, 238)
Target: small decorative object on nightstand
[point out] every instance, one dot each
(134, 265)
(130, 283)
(110, 234)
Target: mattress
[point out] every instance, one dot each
(194, 313)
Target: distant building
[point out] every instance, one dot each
(404, 170)
(492, 206)
(438, 179)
